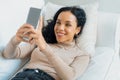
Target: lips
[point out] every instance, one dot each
(60, 34)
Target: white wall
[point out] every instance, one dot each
(110, 5)
(105, 5)
(69, 2)
(13, 14)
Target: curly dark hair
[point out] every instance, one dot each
(79, 13)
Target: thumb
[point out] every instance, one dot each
(40, 25)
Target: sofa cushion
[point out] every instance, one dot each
(99, 65)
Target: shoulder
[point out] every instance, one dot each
(81, 52)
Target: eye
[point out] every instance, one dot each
(68, 25)
(58, 22)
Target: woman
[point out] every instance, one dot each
(53, 51)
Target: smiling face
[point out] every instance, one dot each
(66, 27)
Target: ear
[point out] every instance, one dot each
(78, 30)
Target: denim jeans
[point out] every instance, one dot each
(32, 74)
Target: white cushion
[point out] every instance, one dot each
(9, 67)
(88, 38)
(99, 65)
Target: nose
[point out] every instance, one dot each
(61, 27)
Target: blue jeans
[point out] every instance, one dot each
(32, 74)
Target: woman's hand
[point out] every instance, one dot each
(36, 36)
(23, 32)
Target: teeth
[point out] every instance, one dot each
(60, 34)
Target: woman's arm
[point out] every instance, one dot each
(65, 71)
(80, 64)
(9, 50)
(14, 50)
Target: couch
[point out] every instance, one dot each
(103, 62)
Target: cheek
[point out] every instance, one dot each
(55, 29)
(71, 30)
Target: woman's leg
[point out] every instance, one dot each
(32, 74)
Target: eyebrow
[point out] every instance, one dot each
(65, 21)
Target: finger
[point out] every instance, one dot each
(26, 32)
(27, 26)
(32, 41)
(23, 29)
(21, 38)
(19, 34)
(29, 31)
(33, 36)
(40, 23)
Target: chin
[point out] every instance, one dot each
(60, 41)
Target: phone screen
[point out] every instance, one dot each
(33, 16)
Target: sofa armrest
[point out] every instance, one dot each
(117, 36)
(9, 66)
(99, 64)
(114, 72)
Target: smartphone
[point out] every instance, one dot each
(33, 16)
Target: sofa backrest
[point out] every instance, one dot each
(107, 33)
(70, 2)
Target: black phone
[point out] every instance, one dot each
(33, 16)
